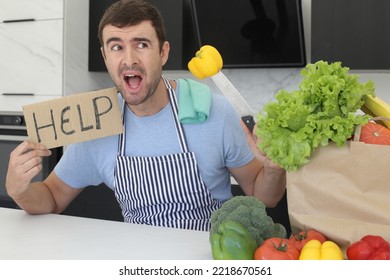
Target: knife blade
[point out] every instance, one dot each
(235, 98)
(208, 62)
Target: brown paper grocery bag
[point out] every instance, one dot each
(343, 192)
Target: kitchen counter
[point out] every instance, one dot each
(60, 237)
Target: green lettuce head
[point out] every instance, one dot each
(323, 109)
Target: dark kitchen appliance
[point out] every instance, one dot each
(12, 133)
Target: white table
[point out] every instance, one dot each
(60, 237)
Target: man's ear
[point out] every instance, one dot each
(165, 52)
(103, 53)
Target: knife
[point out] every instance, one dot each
(210, 60)
(235, 98)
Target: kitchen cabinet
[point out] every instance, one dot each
(31, 49)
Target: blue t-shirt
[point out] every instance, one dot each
(219, 142)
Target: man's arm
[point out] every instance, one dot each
(266, 184)
(260, 177)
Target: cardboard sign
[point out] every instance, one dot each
(74, 118)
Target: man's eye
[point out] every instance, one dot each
(142, 45)
(116, 48)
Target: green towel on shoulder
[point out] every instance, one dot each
(194, 101)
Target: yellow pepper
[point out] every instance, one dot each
(207, 62)
(315, 250)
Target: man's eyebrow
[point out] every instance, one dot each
(113, 39)
(141, 39)
(136, 39)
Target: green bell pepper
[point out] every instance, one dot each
(232, 242)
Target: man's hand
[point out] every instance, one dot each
(254, 142)
(24, 164)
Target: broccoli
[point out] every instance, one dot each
(251, 213)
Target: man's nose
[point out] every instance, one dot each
(130, 57)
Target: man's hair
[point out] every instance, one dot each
(125, 13)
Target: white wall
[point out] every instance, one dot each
(258, 86)
(76, 75)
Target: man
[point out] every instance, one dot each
(163, 172)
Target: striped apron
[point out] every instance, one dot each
(166, 190)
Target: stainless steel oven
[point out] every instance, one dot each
(12, 133)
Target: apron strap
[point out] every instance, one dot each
(121, 142)
(175, 113)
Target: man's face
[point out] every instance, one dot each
(134, 61)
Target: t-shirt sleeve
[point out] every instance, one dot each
(76, 166)
(238, 152)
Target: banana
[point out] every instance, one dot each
(376, 107)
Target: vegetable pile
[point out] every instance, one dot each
(323, 109)
(227, 234)
(242, 230)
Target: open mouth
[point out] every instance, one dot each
(133, 80)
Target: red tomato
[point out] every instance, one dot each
(276, 248)
(300, 239)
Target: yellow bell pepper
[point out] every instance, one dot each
(315, 250)
(207, 62)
